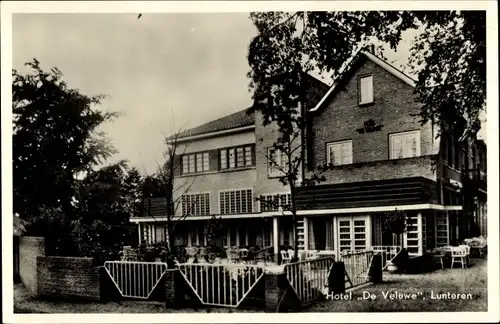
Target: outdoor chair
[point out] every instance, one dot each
(243, 254)
(233, 256)
(438, 254)
(285, 257)
(467, 252)
(479, 245)
(260, 256)
(203, 253)
(459, 255)
(251, 254)
(192, 252)
(269, 253)
(447, 249)
(291, 253)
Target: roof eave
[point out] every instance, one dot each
(211, 134)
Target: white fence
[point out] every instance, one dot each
(135, 279)
(221, 285)
(357, 265)
(309, 279)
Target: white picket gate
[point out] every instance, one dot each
(309, 279)
(221, 284)
(135, 279)
(357, 266)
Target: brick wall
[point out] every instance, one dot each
(68, 277)
(265, 137)
(393, 105)
(29, 249)
(380, 170)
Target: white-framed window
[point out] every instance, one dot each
(232, 159)
(197, 162)
(404, 145)
(236, 157)
(339, 153)
(206, 164)
(196, 204)
(188, 163)
(248, 155)
(236, 201)
(191, 162)
(240, 158)
(365, 89)
(277, 162)
(223, 159)
(354, 233)
(185, 164)
(272, 202)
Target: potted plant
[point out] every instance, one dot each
(394, 222)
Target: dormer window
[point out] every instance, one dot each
(365, 89)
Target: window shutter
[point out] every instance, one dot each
(177, 165)
(213, 157)
(253, 154)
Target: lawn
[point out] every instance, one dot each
(469, 281)
(24, 303)
(455, 281)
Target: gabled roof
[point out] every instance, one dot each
(238, 119)
(375, 59)
(246, 117)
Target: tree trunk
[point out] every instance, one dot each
(296, 239)
(295, 223)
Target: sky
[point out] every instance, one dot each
(162, 73)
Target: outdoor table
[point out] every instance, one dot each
(243, 254)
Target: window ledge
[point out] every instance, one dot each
(194, 174)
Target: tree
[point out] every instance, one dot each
(448, 57)
(395, 222)
(106, 200)
(287, 157)
(54, 140)
(161, 184)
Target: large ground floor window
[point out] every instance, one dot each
(354, 232)
(424, 230)
(320, 233)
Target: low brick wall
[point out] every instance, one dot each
(68, 277)
(30, 248)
